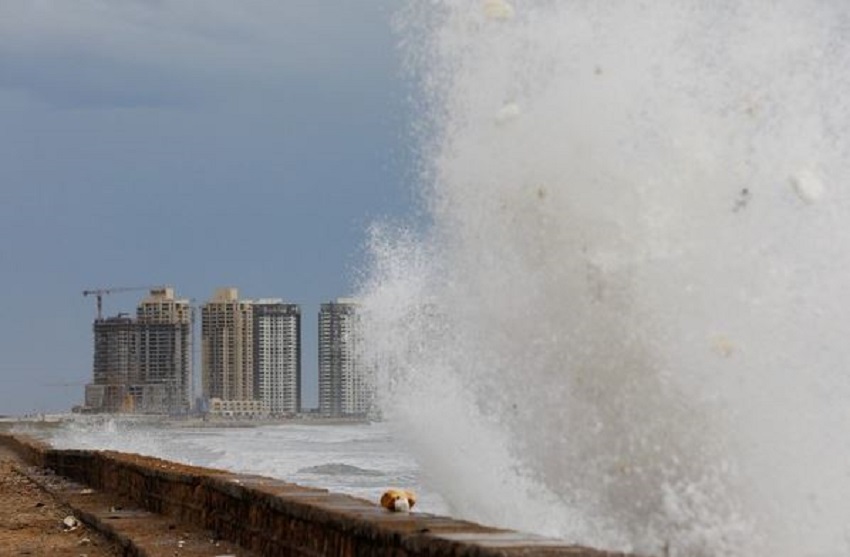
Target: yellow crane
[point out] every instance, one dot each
(101, 292)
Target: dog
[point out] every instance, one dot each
(398, 500)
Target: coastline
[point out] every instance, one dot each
(54, 420)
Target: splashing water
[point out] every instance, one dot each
(626, 324)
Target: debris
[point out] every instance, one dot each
(84, 541)
(510, 111)
(807, 186)
(742, 200)
(86, 491)
(722, 346)
(70, 523)
(498, 9)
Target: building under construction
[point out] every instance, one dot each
(144, 365)
(116, 364)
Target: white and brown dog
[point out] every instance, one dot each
(398, 500)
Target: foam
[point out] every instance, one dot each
(627, 323)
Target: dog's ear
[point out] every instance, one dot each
(387, 499)
(411, 498)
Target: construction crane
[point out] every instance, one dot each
(101, 292)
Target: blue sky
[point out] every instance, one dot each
(197, 144)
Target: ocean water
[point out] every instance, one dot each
(358, 459)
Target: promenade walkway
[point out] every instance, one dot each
(34, 505)
(31, 519)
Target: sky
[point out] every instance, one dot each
(197, 144)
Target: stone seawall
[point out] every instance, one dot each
(272, 517)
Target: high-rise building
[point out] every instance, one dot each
(143, 365)
(227, 347)
(277, 355)
(165, 353)
(116, 364)
(344, 389)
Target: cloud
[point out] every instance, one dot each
(103, 53)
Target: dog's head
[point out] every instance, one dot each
(399, 500)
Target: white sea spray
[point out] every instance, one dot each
(627, 324)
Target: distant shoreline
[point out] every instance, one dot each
(189, 422)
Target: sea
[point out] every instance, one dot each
(359, 459)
